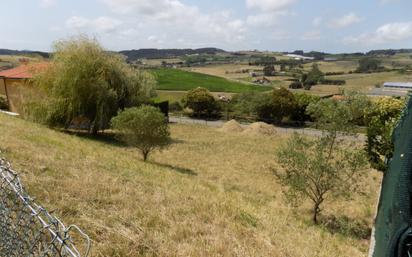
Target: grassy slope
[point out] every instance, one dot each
(179, 80)
(210, 194)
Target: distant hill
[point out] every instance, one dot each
(23, 52)
(389, 52)
(152, 53)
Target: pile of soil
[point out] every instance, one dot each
(231, 126)
(260, 128)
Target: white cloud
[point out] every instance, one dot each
(174, 21)
(76, 22)
(269, 5)
(312, 35)
(388, 1)
(317, 21)
(387, 33)
(100, 24)
(106, 24)
(47, 3)
(266, 18)
(346, 21)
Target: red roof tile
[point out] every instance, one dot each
(24, 71)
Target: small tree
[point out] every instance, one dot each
(319, 169)
(326, 167)
(368, 64)
(314, 76)
(269, 70)
(201, 102)
(144, 127)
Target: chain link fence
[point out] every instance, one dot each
(27, 229)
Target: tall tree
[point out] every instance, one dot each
(85, 80)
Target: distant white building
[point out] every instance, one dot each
(398, 85)
(392, 89)
(299, 57)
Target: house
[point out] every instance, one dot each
(14, 82)
(262, 81)
(299, 57)
(398, 89)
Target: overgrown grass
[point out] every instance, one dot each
(179, 80)
(210, 194)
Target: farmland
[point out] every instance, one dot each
(179, 80)
(210, 194)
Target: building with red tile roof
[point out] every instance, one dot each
(14, 82)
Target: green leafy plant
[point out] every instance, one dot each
(144, 127)
(202, 103)
(85, 80)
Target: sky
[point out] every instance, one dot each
(277, 25)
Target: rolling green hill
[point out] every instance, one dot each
(179, 80)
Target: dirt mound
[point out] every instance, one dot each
(231, 126)
(260, 128)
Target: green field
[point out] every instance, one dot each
(179, 80)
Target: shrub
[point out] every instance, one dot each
(3, 103)
(245, 104)
(175, 107)
(336, 82)
(273, 108)
(144, 127)
(296, 85)
(202, 103)
(367, 65)
(334, 73)
(302, 102)
(269, 70)
(381, 119)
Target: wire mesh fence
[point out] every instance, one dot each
(27, 229)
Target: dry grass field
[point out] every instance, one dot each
(176, 96)
(228, 71)
(210, 194)
(366, 82)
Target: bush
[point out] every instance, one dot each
(367, 65)
(336, 82)
(334, 73)
(175, 107)
(202, 103)
(296, 85)
(269, 70)
(381, 119)
(245, 104)
(3, 103)
(273, 108)
(144, 127)
(302, 102)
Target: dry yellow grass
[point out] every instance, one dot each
(210, 194)
(228, 71)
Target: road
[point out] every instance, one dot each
(219, 123)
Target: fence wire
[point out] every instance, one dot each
(27, 229)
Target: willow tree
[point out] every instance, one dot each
(86, 81)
